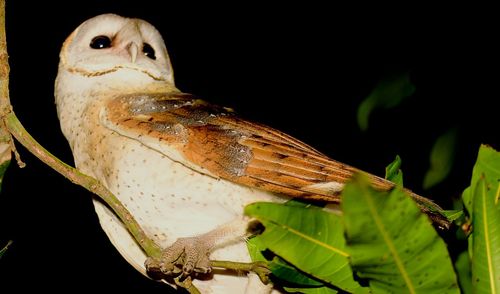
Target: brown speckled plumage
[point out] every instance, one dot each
(229, 147)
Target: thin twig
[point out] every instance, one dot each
(5, 137)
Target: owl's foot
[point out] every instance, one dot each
(190, 255)
(184, 257)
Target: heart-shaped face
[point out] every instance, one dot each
(109, 43)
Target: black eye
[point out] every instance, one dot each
(148, 51)
(100, 42)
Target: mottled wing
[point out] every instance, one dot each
(213, 140)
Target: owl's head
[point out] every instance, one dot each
(109, 43)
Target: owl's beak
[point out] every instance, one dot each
(132, 51)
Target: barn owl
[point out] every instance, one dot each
(184, 168)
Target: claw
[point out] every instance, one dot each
(183, 258)
(153, 268)
(168, 268)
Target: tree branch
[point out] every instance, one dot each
(5, 138)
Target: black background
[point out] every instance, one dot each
(301, 69)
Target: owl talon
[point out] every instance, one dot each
(185, 257)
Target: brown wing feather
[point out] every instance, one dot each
(215, 139)
(212, 138)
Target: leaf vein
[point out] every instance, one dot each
(387, 239)
(310, 239)
(487, 240)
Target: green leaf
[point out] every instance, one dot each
(394, 173)
(308, 238)
(298, 203)
(255, 249)
(4, 249)
(291, 274)
(462, 266)
(441, 159)
(387, 94)
(392, 243)
(279, 267)
(484, 173)
(315, 290)
(486, 235)
(487, 163)
(452, 215)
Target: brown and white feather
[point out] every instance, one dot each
(216, 140)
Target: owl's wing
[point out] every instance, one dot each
(213, 140)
